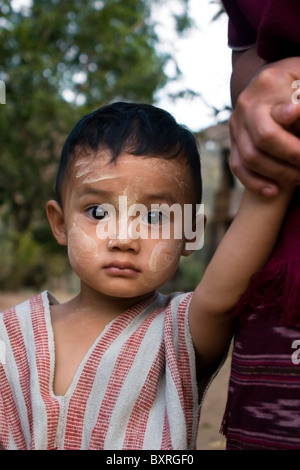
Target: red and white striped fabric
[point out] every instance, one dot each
(135, 389)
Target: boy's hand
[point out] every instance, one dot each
(264, 128)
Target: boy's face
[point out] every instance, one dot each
(123, 240)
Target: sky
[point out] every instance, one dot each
(204, 59)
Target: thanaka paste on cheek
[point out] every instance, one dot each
(163, 256)
(81, 247)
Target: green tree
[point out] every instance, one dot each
(59, 60)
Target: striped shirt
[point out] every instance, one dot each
(135, 389)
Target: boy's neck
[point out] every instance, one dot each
(92, 303)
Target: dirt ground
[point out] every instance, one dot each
(213, 407)
(209, 437)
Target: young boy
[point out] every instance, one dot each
(121, 366)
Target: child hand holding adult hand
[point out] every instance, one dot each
(265, 125)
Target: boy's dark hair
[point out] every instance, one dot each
(134, 128)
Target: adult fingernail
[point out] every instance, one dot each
(268, 191)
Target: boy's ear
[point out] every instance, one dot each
(56, 221)
(191, 245)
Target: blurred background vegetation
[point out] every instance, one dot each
(59, 60)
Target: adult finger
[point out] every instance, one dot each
(250, 179)
(263, 134)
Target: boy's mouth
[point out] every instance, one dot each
(121, 268)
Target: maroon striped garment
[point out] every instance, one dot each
(263, 406)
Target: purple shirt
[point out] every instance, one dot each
(263, 403)
(272, 25)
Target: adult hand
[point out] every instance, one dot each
(264, 127)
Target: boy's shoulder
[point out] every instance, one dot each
(42, 299)
(173, 301)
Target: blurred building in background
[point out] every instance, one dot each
(222, 191)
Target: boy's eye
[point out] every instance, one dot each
(154, 217)
(98, 212)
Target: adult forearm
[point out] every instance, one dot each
(245, 65)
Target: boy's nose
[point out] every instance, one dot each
(123, 244)
(123, 238)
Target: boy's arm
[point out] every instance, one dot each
(242, 252)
